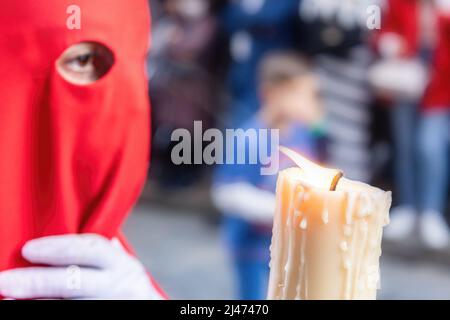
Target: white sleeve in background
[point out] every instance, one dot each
(443, 6)
(390, 45)
(246, 201)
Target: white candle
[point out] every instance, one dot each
(326, 244)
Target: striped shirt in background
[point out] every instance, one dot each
(347, 99)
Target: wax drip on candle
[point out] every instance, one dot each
(373, 277)
(366, 208)
(291, 244)
(301, 289)
(349, 254)
(304, 224)
(350, 208)
(347, 264)
(347, 231)
(360, 255)
(325, 213)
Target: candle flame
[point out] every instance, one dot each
(318, 176)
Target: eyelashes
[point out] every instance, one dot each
(85, 63)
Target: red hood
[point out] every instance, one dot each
(72, 158)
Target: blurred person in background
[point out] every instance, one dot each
(183, 86)
(407, 43)
(434, 139)
(254, 28)
(74, 138)
(289, 103)
(333, 33)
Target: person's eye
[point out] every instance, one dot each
(82, 63)
(85, 63)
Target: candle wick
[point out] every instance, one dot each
(336, 180)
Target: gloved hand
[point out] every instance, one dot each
(79, 267)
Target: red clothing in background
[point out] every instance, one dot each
(402, 17)
(438, 93)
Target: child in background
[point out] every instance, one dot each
(289, 102)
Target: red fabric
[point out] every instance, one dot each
(402, 18)
(438, 92)
(73, 159)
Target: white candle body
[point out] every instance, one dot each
(326, 244)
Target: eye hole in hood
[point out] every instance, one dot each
(84, 63)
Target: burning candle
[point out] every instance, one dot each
(327, 234)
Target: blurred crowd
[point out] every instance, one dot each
(374, 103)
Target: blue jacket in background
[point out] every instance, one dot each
(252, 35)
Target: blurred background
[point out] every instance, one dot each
(372, 118)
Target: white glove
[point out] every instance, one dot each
(443, 6)
(246, 201)
(79, 267)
